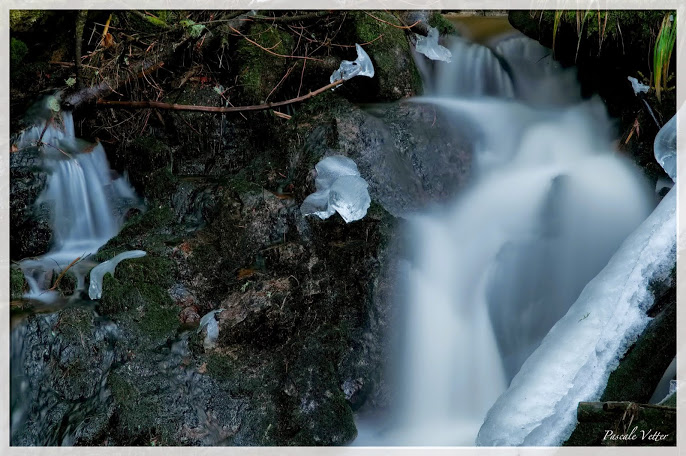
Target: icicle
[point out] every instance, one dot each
(362, 66)
(428, 46)
(98, 272)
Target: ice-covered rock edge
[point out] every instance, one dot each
(577, 356)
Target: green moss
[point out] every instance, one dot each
(75, 322)
(161, 185)
(160, 323)
(137, 412)
(670, 401)
(140, 285)
(24, 20)
(147, 231)
(221, 367)
(18, 51)
(395, 71)
(147, 24)
(261, 71)
(156, 21)
(16, 283)
(114, 296)
(444, 26)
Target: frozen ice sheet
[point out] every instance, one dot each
(577, 356)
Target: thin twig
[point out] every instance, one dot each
(59, 277)
(214, 109)
(272, 52)
(285, 76)
(403, 27)
(301, 17)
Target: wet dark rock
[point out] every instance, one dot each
(17, 283)
(410, 153)
(396, 75)
(30, 233)
(57, 387)
(306, 302)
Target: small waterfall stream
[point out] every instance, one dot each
(489, 273)
(86, 200)
(87, 203)
(549, 203)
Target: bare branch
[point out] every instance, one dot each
(212, 109)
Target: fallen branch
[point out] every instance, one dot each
(59, 277)
(213, 109)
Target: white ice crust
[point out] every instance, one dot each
(577, 356)
(98, 272)
(339, 189)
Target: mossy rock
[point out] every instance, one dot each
(25, 20)
(149, 231)
(322, 416)
(75, 323)
(619, 35)
(138, 414)
(138, 293)
(261, 71)
(17, 283)
(18, 51)
(148, 162)
(396, 75)
(443, 25)
(147, 277)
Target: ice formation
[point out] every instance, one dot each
(339, 189)
(212, 328)
(98, 272)
(362, 66)
(577, 356)
(637, 86)
(665, 147)
(428, 46)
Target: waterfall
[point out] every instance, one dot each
(86, 199)
(551, 200)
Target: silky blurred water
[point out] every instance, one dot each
(549, 203)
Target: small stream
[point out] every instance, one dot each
(87, 202)
(550, 201)
(489, 273)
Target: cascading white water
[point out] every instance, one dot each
(86, 200)
(550, 202)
